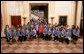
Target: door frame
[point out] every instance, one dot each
(63, 16)
(16, 15)
(37, 4)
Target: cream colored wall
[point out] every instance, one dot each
(55, 9)
(62, 8)
(4, 16)
(79, 13)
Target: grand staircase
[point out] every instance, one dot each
(36, 14)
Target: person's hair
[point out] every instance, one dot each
(7, 26)
(76, 27)
(73, 26)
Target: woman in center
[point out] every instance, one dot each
(41, 30)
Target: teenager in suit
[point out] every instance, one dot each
(15, 35)
(23, 34)
(45, 33)
(62, 35)
(75, 32)
(55, 34)
(36, 27)
(34, 33)
(49, 34)
(27, 33)
(19, 34)
(6, 32)
(68, 36)
(10, 36)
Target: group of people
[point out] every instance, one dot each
(36, 29)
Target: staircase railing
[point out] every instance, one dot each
(34, 13)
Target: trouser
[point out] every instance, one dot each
(44, 37)
(24, 38)
(7, 39)
(49, 37)
(27, 36)
(16, 38)
(61, 39)
(20, 38)
(10, 40)
(67, 40)
(34, 37)
(31, 36)
(13, 39)
(37, 33)
(74, 38)
(56, 38)
(40, 35)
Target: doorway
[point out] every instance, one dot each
(63, 20)
(15, 20)
(40, 10)
(81, 27)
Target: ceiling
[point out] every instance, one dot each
(38, 4)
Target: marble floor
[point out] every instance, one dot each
(41, 46)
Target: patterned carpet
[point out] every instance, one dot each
(41, 46)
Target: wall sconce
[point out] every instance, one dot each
(24, 19)
(52, 20)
